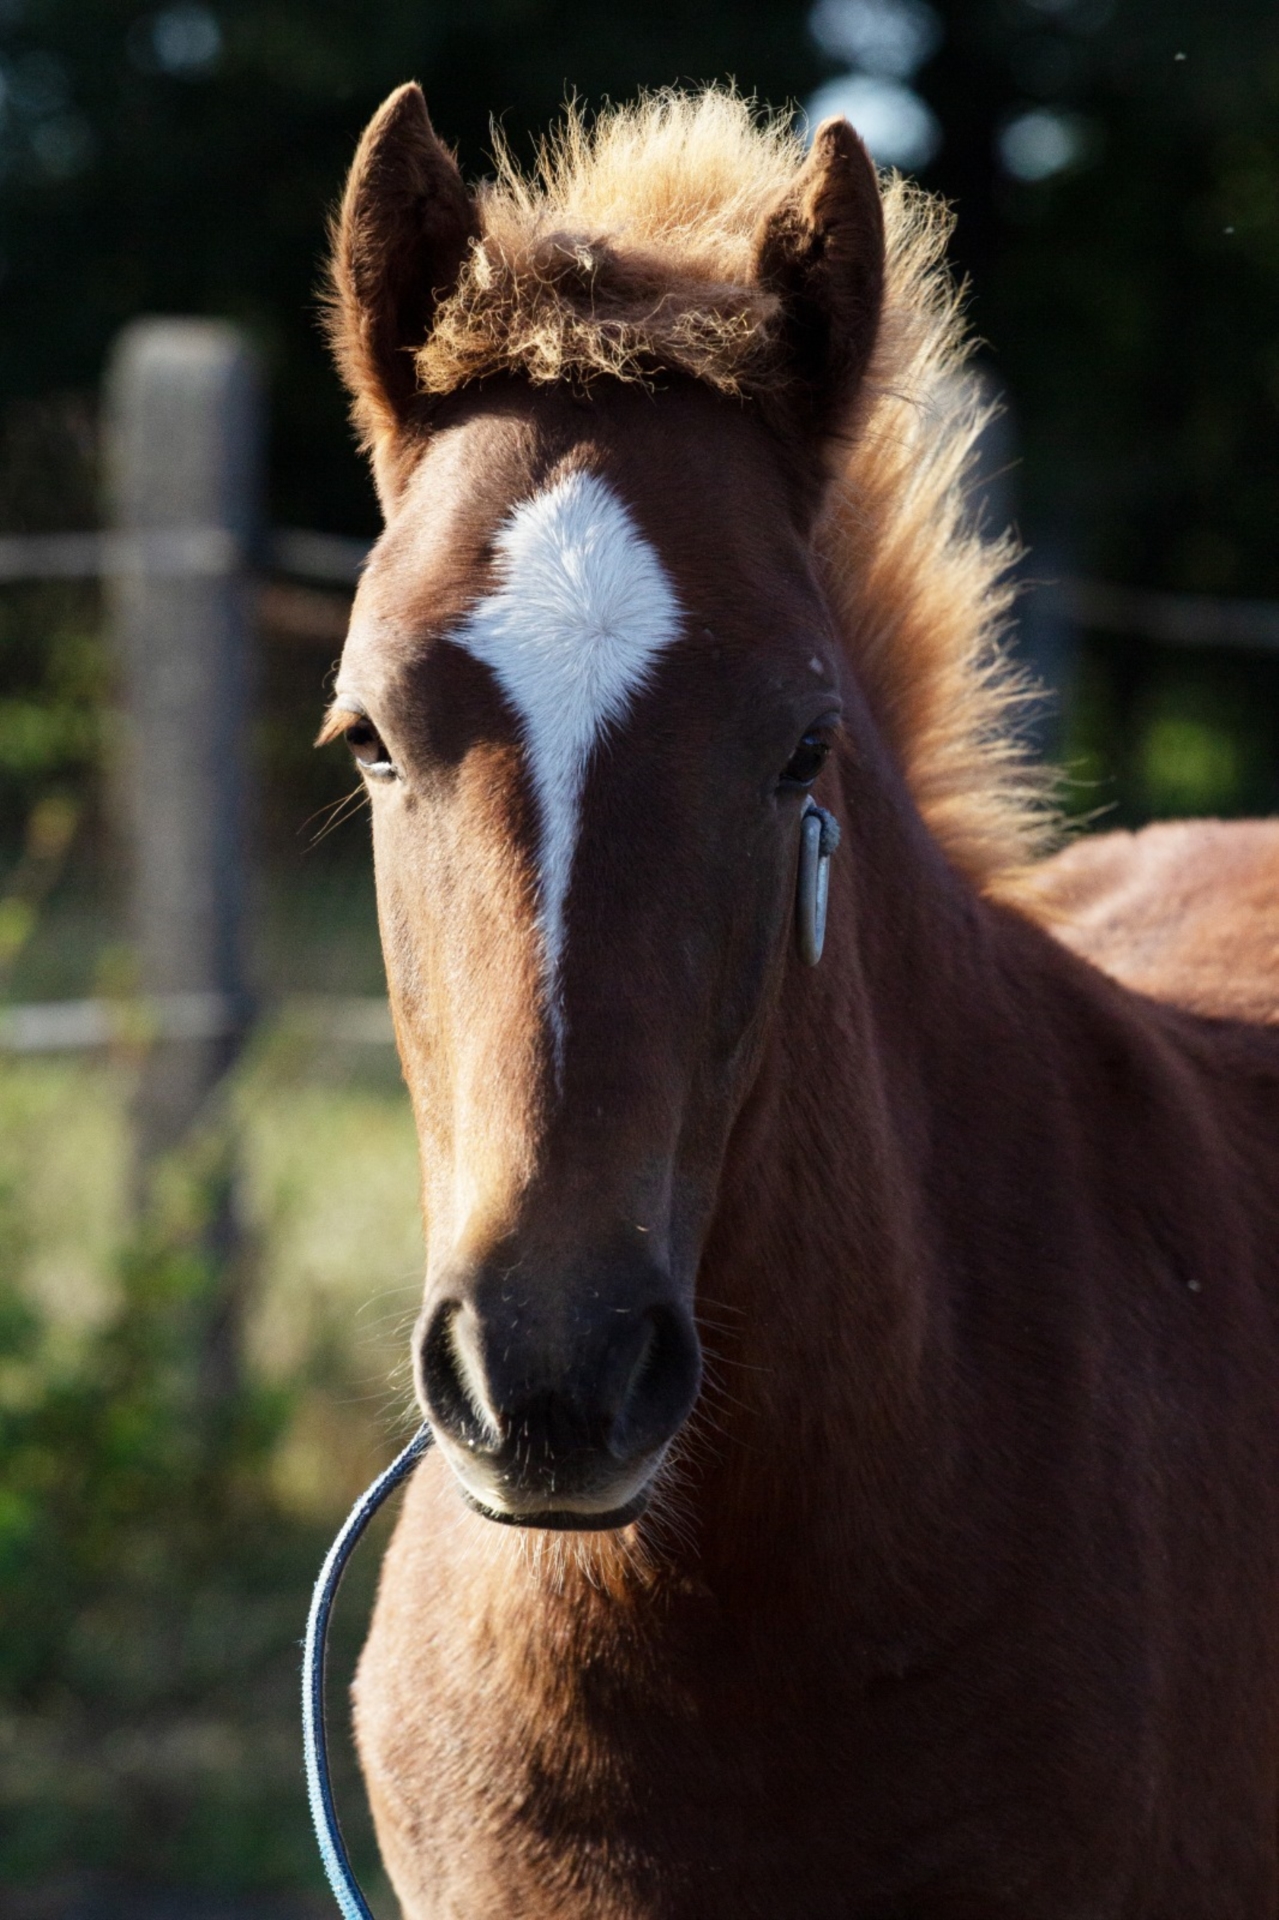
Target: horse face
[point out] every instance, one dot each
(589, 679)
(589, 683)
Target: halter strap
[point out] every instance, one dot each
(319, 1787)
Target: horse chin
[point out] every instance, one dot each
(598, 1510)
(562, 1520)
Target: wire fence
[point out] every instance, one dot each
(125, 1025)
(336, 561)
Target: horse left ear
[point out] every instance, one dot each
(399, 240)
(821, 251)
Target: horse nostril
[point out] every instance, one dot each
(531, 1409)
(454, 1397)
(663, 1383)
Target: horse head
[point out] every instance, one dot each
(590, 682)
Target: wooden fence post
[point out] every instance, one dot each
(184, 441)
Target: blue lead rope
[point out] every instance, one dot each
(319, 1787)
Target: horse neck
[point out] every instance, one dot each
(830, 1404)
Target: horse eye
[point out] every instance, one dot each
(806, 762)
(367, 748)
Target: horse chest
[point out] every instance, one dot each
(517, 1767)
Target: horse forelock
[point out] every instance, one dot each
(629, 251)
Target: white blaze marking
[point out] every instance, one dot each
(583, 610)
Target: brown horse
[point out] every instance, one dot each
(874, 1365)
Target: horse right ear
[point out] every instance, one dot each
(820, 249)
(398, 244)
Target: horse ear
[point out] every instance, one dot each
(398, 245)
(821, 251)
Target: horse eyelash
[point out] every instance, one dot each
(336, 722)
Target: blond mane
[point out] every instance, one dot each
(629, 250)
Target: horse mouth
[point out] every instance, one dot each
(561, 1519)
(582, 1502)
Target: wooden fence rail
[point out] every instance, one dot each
(333, 558)
(131, 1025)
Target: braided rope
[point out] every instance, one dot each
(319, 1787)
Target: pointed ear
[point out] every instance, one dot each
(398, 246)
(821, 251)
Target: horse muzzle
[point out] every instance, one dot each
(557, 1421)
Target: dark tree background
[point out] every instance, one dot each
(1132, 301)
(183, 158)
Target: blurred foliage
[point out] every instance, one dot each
(158, 1538)
(1156, 732)
(146, 1581)
(50, 830)
(52, 678)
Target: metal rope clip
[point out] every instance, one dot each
(819, 836)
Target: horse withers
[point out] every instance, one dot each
(872, 1366)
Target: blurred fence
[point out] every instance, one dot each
(191, 577)
(178, 552)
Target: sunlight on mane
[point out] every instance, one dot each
(629, 250)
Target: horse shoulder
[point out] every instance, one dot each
(1184, 911)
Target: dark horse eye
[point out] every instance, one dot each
(366, 745)
(806, 762)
